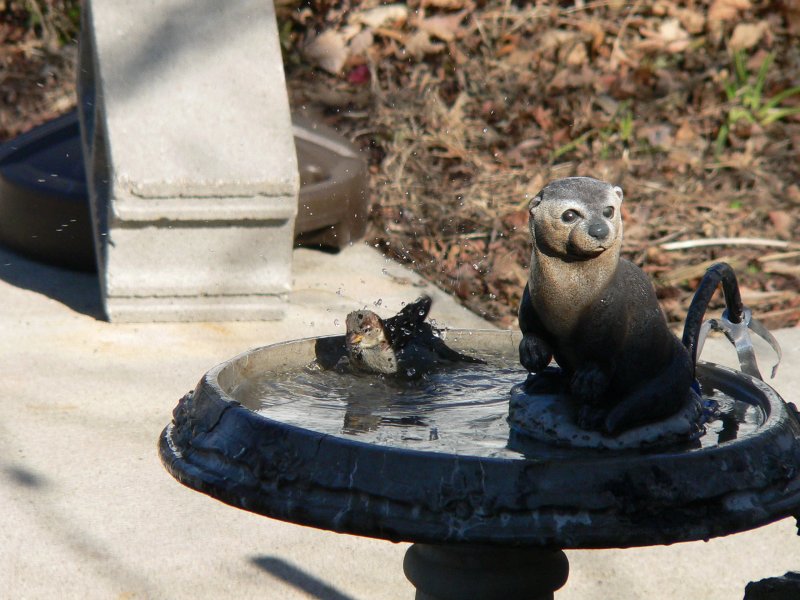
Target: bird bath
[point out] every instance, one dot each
(284, 432)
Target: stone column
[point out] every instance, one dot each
(190, 158)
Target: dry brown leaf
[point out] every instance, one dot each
(419, 44)
(747, 35)
(727, 10)
(392, 34)
(520, 58)
(791, 10)
(554, 39)
(596, 30)
(446, 4)
(381, 16)
(506, 267)
(694, 271)
(577, 55)
(525, 150)
(569, 78)
(686, 133)
(793, 193)
(543, 117)
(328, 51)
(362, 42)
(517, 219)
(348, 32)
(446, 28)
(670, 37)
(692, 20)
(782, 268)
(782, 222)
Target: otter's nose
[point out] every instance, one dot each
(598, 230)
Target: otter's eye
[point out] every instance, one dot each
(569, 216)
(608, 212)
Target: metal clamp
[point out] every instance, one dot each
(738, 335)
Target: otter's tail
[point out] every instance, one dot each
(735, 321)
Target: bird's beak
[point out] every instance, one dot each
(355, 338)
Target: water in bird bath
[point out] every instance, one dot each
(460, 410)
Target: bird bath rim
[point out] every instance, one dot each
(596, 500)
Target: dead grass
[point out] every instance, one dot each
(466, 109)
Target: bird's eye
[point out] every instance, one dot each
(608, 212)
(569, 216)
(367, 328)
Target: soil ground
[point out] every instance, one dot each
(466, 108)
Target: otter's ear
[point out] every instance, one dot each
(535, 202)
(618, 192)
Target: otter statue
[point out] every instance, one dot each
(597, 313)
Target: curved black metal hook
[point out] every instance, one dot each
(697, 310)
(735, 322)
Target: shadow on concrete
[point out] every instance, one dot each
(277, 567)
(24, 477)
(77, 290)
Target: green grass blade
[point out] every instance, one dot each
(781, 96)
(776, 114)
(761, 78)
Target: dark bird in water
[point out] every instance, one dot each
(404, 344)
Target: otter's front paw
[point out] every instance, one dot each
(588, 385)
(592, 418)
(534, 354)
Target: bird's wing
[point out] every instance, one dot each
(409, 323)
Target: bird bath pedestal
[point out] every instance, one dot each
(488, 514)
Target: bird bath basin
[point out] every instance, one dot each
(284, 432)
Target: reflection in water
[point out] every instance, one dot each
(460, 410)
(733, 419)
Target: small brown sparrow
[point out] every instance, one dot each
(404, 344)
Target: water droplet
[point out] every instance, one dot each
(411, 372)
(336, 322)
(378, 302)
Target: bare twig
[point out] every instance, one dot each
(702, 243)
(778, 256)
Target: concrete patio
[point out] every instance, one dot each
(89, 512)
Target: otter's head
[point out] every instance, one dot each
(576, 218)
